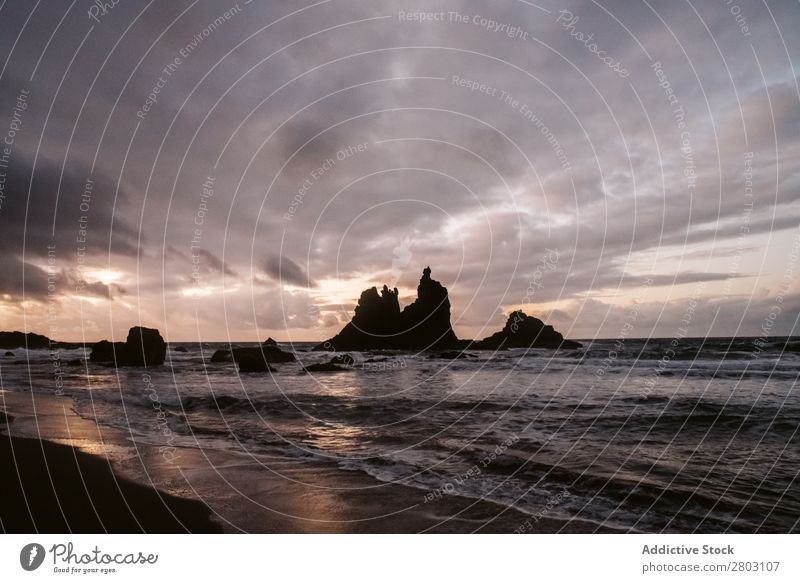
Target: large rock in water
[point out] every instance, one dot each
(221, 356)
(143, 347)
(523, 331)
(254, 359)
(378, 322)
(105, 351)
(259, 359)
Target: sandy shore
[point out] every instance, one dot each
(242, 492)
(51, 487)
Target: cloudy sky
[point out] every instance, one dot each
(227, 170)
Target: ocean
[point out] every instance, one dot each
(642, 436)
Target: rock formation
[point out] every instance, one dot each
(221, 356)
(253, 363)
(32, 341)
(523, 331)
(254, 359)
(22, 340)
(259, 359)
(378, 322)
(143, 347)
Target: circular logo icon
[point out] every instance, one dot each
(31, 556)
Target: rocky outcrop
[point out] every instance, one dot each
(378, 322)
(33, 341)
(143, 347)
(523, 331)
(270, 354)
(253, 363)
(255, 359)
(23, 340)
(105, 351)
(221, 356)
(270, 342)
(259, 359)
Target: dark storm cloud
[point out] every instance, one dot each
(384, 163)
(26, 281)
(284, 270)
(201, 260)
(70, 210)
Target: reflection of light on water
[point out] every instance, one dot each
(335, 436)
(91, 444)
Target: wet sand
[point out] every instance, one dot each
(242, 492)
(53, 488)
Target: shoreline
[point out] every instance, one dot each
(55, 485)
(222, 491)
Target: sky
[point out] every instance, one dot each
(233, 171)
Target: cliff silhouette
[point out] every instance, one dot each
(378, 323)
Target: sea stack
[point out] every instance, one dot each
(378, 322)
(524, 331)
(143, 347)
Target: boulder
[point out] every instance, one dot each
(9, 353)
(105, 351)
(222, 356)
(5, 417)
(143, 347)
(523, 331)
(180, 349)
(254, 363)
(259, 359)
(378, 322)
(270, 354)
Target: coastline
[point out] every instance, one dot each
(209, 490)
(52, 485)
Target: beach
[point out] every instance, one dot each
(70, 475)
(510, 442)
(52, 487)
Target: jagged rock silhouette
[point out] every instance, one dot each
(524, 331)
(378, 322)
